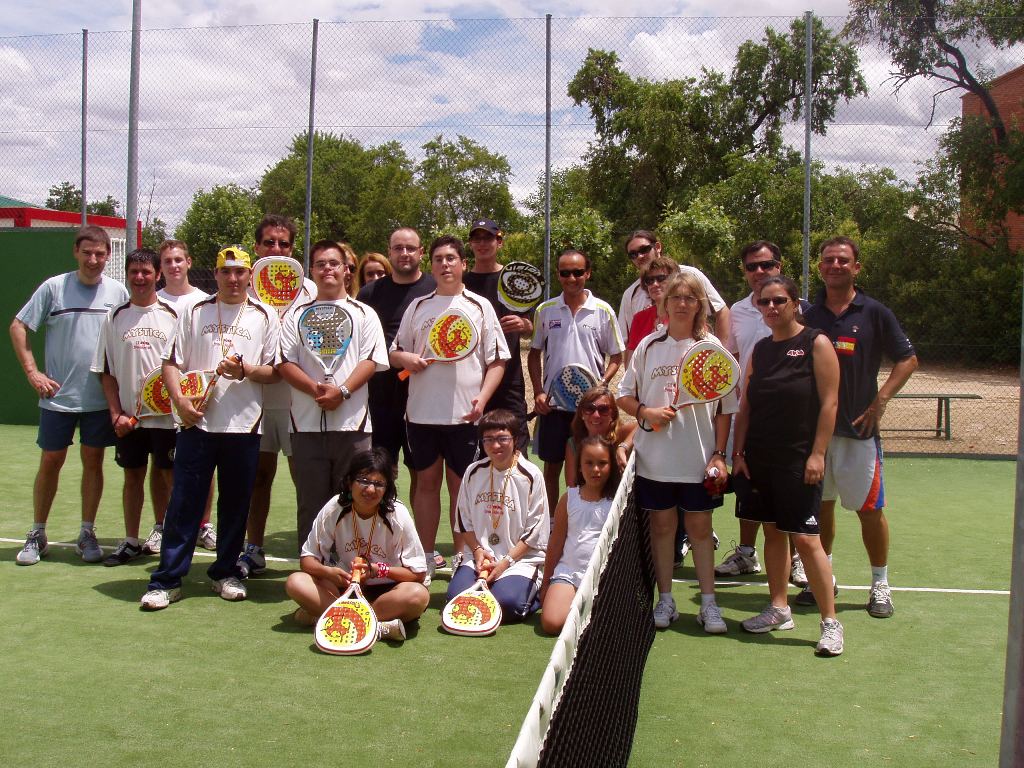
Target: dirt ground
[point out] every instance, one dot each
(985, 427)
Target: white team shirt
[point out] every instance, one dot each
(635, 298)
(586, 520)
(181, 303)
(444, 392)
(336, 540)
(131, 345)
(208, 332)
(679, 452)
(367, 344)
(746, 328)
(524, 516)
(278, 396)
(585, 338)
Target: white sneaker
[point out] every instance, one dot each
(711, 619)
(831, 643)
(208, 537)
(230, 588)
(158, 599)
(151, 546)
(738, 563)
(797, 574)
(36, 546)
(393, 630)
(665, 613)
(771, 618)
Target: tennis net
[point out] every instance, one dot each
(585, 709)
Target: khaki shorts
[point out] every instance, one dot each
(276, 436)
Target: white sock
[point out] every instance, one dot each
(665, 597)
(879, 573)
(743, 549)
(38, 526)
(706, 600)
(133, 541)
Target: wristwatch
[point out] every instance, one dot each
(345, 394)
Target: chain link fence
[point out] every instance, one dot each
(407, 104)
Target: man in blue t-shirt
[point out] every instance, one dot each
(862, 330)
(72, 308)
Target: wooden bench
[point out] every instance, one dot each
(942, 425)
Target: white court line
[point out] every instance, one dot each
(199, 551)
(938, 590)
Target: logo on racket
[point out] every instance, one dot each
(278, 284)
(155, 395)
(709, 374)
(451, 337)
(326, 329)
(520, 286)
(471, 610)
(346, 624)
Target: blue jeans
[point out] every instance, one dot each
(196, 456)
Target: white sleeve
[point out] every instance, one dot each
(493, 337)
(99, 362)
(371, 341)
(464, 508)
(537, 522)
(271, 341)
(625, 316)
(628, 384)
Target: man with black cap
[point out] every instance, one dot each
(485, 240)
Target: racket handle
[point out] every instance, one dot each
(657, 427)
(133, 421)
(403, 374)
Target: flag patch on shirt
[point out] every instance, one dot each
(554, 324)
(845, 345)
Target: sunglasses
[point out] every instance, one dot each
(764, 266)
(600, 410)
(775, 301)
(270, 243)
(572, 272)
(643, 250)
(652, 279)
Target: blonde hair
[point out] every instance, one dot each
(373, 256)
(686, 279)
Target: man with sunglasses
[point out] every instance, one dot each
(861, 329)
(275, 236)
(577, 328)
(642, 246)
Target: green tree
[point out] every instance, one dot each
(224, 215)
(154, 232)
(68, 197)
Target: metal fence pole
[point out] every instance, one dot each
(85, 117)
(1011, 745)
(547, 159)
(132, 202)
(808, 101)
(309, 147)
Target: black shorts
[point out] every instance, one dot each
(387, 399)
(685, 497)
(554, 430)
(455, 443)
(133, 450)
(779, 495)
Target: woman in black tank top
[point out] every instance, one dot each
(786, 419)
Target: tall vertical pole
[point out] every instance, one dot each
(1011, 745)
(808, 103)
(132, 202)
(85, 118)
(547, 160)
(309, 147)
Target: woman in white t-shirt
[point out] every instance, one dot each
(676, 451)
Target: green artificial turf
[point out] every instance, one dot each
(88, 679)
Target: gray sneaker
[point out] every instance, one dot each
(797, 574)
(769, 619)
(88, 547)
(208, 537)
(831, 643)
(880, 601)
(36, 547)
(151, 546)
(665, 613)
(393, 630)
(738, 563)
(710, 617)
(252, 561)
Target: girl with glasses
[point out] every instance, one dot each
(365, 521)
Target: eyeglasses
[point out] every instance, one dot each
(775, 301)
(271, 242)
(764, 266)
(572, 272)
(496, 440)
(687, 300)
(329, 265)
(643, 250)
(405, 248)
(600, 410)
(839, 261)
(365, 482)
(652, 279)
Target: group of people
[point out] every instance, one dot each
(800, 432)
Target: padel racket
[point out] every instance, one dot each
(706, 373)
(326, 331)
(349, 625)
(520, 286)
(473, 612)
(153, 399)
(277, 282)
(452, 337)
(569, 386)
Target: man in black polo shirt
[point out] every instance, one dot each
(861, 329)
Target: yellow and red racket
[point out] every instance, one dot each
(706, 373)
(349, 625)
(473, 612)
(452, 337)
(277, 282)
(153, 399)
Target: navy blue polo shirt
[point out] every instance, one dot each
(861, 335)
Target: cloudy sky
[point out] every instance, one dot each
(225, 85)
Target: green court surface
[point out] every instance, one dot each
(88, 679)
